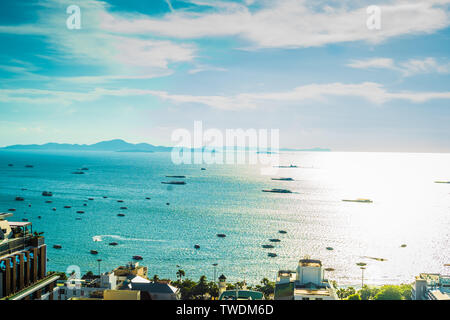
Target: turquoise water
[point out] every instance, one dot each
(409, 208)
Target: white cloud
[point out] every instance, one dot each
(383, 63)
(119, 55)
(407, 68)
(287, 23)
(373, 92)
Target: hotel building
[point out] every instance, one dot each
(306, 283)
(23, 263)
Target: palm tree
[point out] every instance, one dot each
(180, 274)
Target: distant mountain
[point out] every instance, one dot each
(112, 145)
(119, 145)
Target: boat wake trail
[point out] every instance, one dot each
(101, 237)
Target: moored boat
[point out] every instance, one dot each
(277, 190)
(174, 182)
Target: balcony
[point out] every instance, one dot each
(19, 244)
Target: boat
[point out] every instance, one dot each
(278, 191)
(20, 199)
(24, 189)
(94, 252)
(290, 166)
(80, 211)
(113, 243)
(48, 201)
(274, 240)
(167, 203)
(90, 199)
(177, 177)
(329, 248)
(29, 166)
(272, 255)
(137, 258)
(47, 193)
(197, 246)
(283, 179)
(10, 165)
(57, 246)
(268, 246)
(78, 218)
(221, 235)
(282, 231)
(120, 201)
(120, 215)
(203, 169)
(359, 200)
(78, 172)
(123, 208)
(147, 198)
(174, 182)
(84, 204)
(54, 209)
(11, 210)
(105, 197)
(24, 219)
(67, 207)
(361, 264)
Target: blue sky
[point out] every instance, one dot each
(138, 70)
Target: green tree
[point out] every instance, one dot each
(343, 293)
(368, 293)
(180, 274)
(201, 288)
(389, 292)
(155, 278)
(354, 296)
(213, 289)
(406, 291)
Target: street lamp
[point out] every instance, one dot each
(362, 276)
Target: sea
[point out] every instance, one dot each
(404, 232)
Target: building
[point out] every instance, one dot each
(23, 263)
(130, 269)
(238, 294)
(431, 286)
(306, 283)
(85, 287)
(152, 290)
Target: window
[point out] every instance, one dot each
(304, 298)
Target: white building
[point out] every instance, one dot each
(306, 283)
(81, 288)
(431, 286)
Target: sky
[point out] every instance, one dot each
(139, 70)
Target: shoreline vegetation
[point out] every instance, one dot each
(203, 289)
